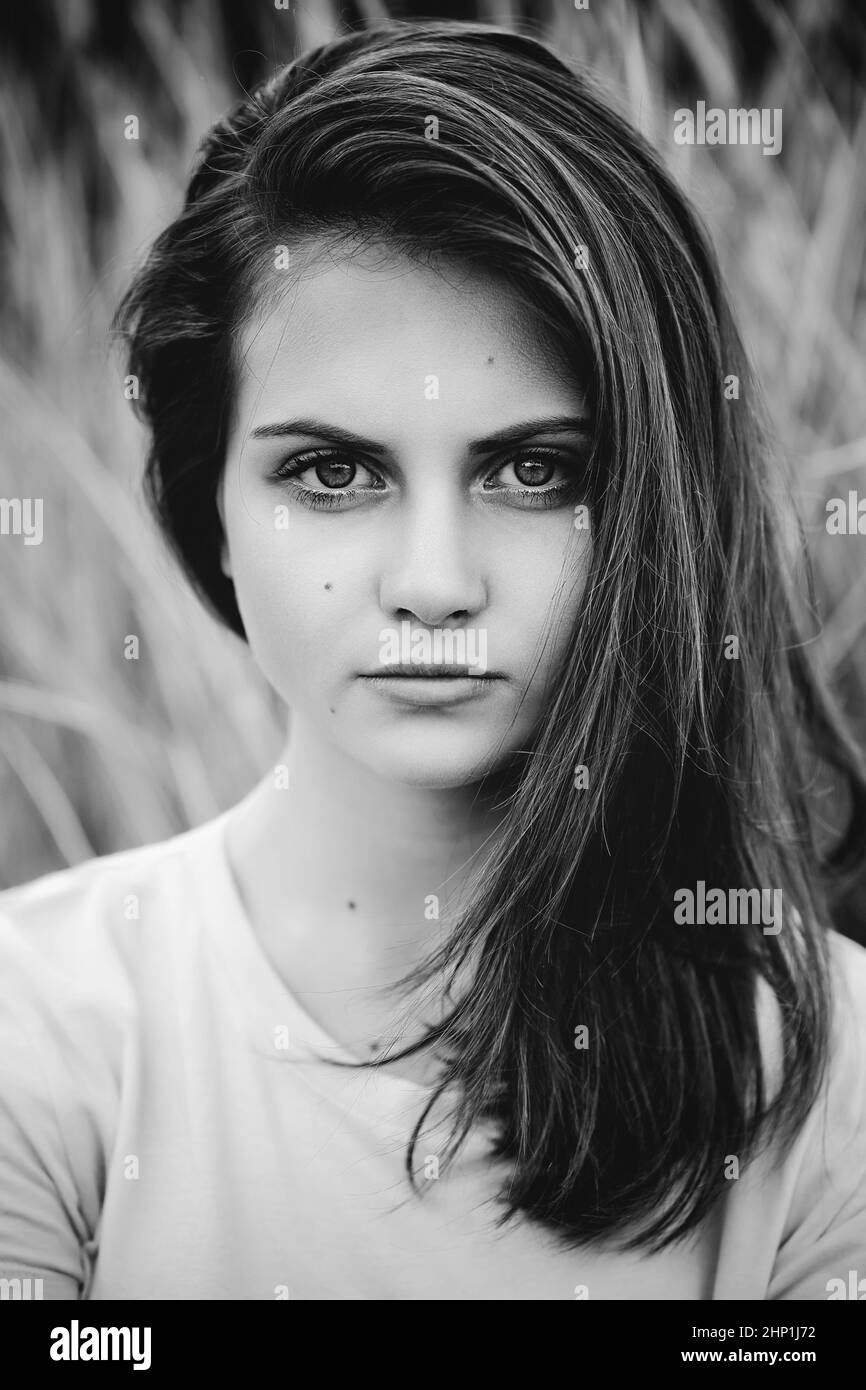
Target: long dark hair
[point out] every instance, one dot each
(700, 757)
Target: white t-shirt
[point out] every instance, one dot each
(167, 1130)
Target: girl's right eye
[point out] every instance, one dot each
(335, 477)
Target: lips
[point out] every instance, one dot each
(434, 671)
(424, 687)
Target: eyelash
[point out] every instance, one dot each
(290, 469)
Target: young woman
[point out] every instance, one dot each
(514, 978)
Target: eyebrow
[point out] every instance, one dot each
(512, 434)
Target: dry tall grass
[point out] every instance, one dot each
(98, 752)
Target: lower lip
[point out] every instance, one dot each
(432, 690)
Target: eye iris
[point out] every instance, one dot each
(534, 472)
(335, 472)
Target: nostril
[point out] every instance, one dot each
(448, 620)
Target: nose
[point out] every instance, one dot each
(434, 573)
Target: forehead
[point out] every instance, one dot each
(373, 326)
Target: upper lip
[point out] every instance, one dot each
(432, 669)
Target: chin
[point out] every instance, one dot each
(438, 763)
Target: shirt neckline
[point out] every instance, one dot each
(265, 999)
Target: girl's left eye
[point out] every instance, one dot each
(537, 478)
(531, 470)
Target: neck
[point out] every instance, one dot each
(345, 852)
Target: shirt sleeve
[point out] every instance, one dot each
(823, 1254)
(41, 1236)
(53, 1103)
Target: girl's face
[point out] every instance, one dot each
(400, 487)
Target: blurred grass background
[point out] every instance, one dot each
(98, 752)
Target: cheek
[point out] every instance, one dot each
(547, 588)
(288, 611)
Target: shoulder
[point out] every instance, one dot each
(848, 962)
(90, 897)
(837, 1125)
(824, 1237)
(72, 941)
(843, 1101)
(84, 955)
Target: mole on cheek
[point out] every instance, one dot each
(329, 586)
